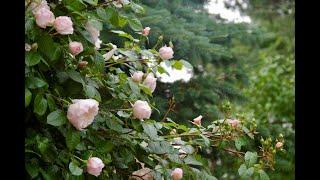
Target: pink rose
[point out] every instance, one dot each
(141, 110)
(82, 112)
(75, 47)
(279, 145)
(63, 25)
(197, 120)
(94, 166)
(37, 6)
(150, 82)
(137, 76)
(233, 122)
(166, 53)
(177, 174)
(146, 31)
(44, 17)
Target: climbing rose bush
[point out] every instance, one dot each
(90, 111)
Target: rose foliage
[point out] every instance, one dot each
(89, 103)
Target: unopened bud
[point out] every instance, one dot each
(82, 64)
(34, 46)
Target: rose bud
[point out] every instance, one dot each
(166, 53)
(94, 166)
(233, 122)
(75, 48)
(141, 110)
(279, 145)
(27, 47)
(146, 31)
(177, 174)
(197, 120)
(150, 82)
(137, 76)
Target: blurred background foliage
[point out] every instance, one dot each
(249, 64)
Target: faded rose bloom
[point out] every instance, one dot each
(150, 81)
(144, 174)
(146, 31)
(141, 110)
(94, 33)
(177, 174)
(75, 48)
(27, 47)
(63, 25)
(137, 76)
(166, 53)
(37, 6)
(279, 145)
(82, 112)
(94, 166)
(233, 122)
(82, 64)
(109, 54)
(197, 120)
(44, 17)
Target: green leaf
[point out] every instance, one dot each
(239, 142)
(102, 14)
(32, 170)
(177, 65)
(92, 92)
(146, 89)
(118, 20)
(242, 170)
(126, 35)
(159, 147)
(263, 175)
(123, 114)
(92, 2)
(32, 58)
(27, 97)
(186, 64)
(137, 8)
(51, 102)
(105, 146)
(134, 87)
(113, 124)
(35, 82)
(135, 24)
(192, 161)
(150, 130)
(74, 169)
(48, 47)
(72, 139)
(250, 171)
(76, 76)
(250, 158)
(56, 118)
(206, 140)
(40, 105)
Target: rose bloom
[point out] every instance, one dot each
(146, 31)
(94, 166)
(44, 17)
(279, 145)
(82, 112)
(137, 76)
(63, 25)
(27, 47)
(177, 174)
(233, 122)
(197, 120)
(150, 82)
(141, 110)
(75, 48)
(94, 32)
(37, 6)
(166, 53)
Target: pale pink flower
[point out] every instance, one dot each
(279, 145)
(141, 110)
(150, 81)
(94, 166)
(197, 120)
(233, 122)
(166, 53)
(146, 31)
(94, 33)
(63, 25)
(177, 174)
(137, 76)
(75, 48)
(44, 17)
(37, 6)
(82, 112)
